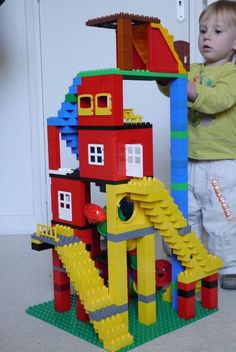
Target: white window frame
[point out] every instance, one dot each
(96, 154)
(134, 160)
(65, 205)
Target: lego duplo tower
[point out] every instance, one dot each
(114, 150)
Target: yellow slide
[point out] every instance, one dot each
(158, 205)
(112, 330)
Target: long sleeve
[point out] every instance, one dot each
(212, 117)
(218, 97)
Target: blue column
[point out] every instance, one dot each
(179, 162)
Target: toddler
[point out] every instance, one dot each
(212, 136)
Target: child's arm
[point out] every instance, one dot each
(191, 89)
(215, 99)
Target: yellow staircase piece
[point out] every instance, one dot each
(64, 230)
(112, 331)
(167, 218)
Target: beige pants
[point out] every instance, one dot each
(212, 207)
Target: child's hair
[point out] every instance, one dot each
(220, 8)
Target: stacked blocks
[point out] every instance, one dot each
(114, 149)
(67, 119)
(98, 303)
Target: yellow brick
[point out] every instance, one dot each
(117, 271)
(147, 313)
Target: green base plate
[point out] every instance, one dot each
(167, 321)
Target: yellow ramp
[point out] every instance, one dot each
(112, 330)
(158, 205)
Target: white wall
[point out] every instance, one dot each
(22, 176)
(195, 9)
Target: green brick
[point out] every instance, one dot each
(179, 186)
(179, 134)
(71, 98)
(133, 74)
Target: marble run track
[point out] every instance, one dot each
(114, 149)
(152, 200)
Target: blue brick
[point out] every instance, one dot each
(77, 81)
(76, 152)
(179, 175)
(72, 143)
(67, 114)
(69, 106)
(54, 121)
(69, 129)
(176, 268)
(179, 146)
(181, 199)
(73, 89)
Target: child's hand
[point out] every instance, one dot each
(192, 94)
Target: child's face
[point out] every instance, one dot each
(217, 39)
